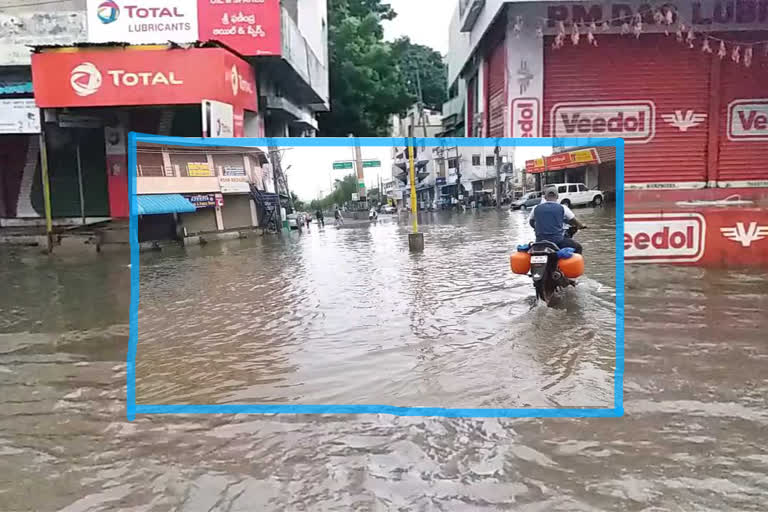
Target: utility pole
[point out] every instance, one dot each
(497, 152)
(274, 159)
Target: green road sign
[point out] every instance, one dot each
(361, 185)
(342, 165)
(372, 163)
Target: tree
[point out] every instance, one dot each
(422, 66)
(366, 83)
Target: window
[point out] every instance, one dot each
(572, 188)
(582, 188)
(475, 159)
(561, 189)
(490, 161)
(451, 163)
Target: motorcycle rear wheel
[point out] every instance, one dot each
(545, 291)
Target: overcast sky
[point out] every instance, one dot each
(424, 21)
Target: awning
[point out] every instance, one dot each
(15, 87)
(157, 204)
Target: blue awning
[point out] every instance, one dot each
(8, 87)
(156, 204)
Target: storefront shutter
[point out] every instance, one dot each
(743, 140)
(654, 69)
(496, 89)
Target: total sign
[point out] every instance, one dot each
(634, 121)
(142, 21)
(664, 238)
(748, 120)
(94, 78)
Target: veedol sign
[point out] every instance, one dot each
(748, 119)
(92, 78)
(634, 121)
(664, 238)
(703, 14)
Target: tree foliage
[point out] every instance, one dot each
(422, 66)
(368, 83)
(342, 192)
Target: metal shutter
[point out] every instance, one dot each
(654, 68)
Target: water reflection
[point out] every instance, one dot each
(693, 437)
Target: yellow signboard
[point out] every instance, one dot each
(583, 155)
(199, 169)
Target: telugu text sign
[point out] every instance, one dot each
(248, 27)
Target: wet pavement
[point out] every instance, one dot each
(349, 316)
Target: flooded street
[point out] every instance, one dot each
(348, 316)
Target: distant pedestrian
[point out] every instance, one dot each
(339, 217)
(307, 219)
(320, 218)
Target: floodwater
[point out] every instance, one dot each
(348, 316)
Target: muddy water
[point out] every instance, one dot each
(348, 316)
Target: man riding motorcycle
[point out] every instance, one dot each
(550, 219)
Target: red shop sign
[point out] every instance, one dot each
(249, 28)
(96, 78)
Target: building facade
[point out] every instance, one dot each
(684, 84)
(77, 76)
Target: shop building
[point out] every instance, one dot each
(186, 192)
(100, 71)
(595, 167)
(683, 84)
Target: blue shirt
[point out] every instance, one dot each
(550, 221)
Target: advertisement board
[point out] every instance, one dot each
(99, 77)
(142, 21)
(218, 119)
(199, 169)
(19, 116)
(248, 27)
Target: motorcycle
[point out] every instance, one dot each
(551, 268)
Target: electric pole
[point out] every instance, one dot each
(497, 152)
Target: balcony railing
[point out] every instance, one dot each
(299, 54)
(154, 170)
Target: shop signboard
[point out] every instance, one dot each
(199, 169)
(202, 200)
(141, 21)
(234, 183)
(19, 116)
(748, 120)
(248, 27)
(142, 76)
(218, 119)
(560, 161)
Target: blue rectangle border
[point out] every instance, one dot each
(132, 408)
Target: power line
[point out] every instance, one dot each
(34, 4)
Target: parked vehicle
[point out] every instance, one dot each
(388, 209)
(522, 202)
(577, 194)
(533, 200)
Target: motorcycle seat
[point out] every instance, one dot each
(544, 244)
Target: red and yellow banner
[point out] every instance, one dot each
(560, 161)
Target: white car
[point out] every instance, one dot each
(576, 194)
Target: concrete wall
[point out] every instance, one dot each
(27, 23)
(182, 185)
(313, 23)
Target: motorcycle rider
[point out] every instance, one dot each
(549, 220)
